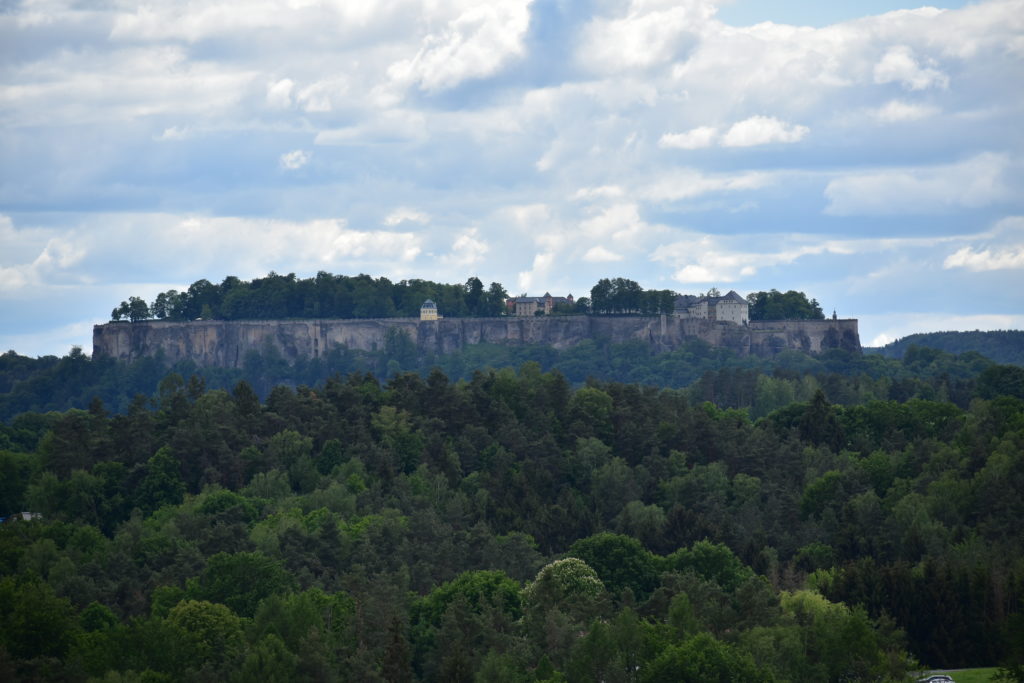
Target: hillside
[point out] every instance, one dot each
(1002, 346)
(510, 528)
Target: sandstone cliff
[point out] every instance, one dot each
(225, 343)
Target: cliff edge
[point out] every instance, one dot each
(225, 343)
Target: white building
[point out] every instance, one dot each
(731, 308)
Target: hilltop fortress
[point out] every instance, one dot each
(225, 343)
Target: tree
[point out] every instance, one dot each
(496, 297)
(774, 305)
(214, 631)
(138, 309)
(240, 581)
(620, 562)
(162, 484)
(475, 296)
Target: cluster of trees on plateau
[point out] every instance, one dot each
(324, 296)
(341, 296)
(776, 305)
(619, 295)
(513, 527)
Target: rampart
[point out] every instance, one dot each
(225, 343)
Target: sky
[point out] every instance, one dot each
(870, 154)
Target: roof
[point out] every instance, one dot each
(536, 299)
(428, 304)
(733, 296)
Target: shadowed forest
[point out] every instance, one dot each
(822, 519)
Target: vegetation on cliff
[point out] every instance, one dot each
(509, 527)
(776, 305)
(340, 296)
(324, 296)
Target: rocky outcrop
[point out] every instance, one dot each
(225, 343)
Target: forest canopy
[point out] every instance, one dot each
(510, 527)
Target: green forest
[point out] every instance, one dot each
(829, 518)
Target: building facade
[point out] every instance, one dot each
(731, 308)
(530, 305)
(428, 311)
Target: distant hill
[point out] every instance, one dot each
(1001, 346)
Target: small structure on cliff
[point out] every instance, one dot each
(428, 311)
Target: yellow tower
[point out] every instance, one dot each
(428, 311)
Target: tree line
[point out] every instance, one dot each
(324, 296)
(340, 296)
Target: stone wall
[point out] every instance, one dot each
(225, 343)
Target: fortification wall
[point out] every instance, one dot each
(226, 343)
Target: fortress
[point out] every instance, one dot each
(225, 343)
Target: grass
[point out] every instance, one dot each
(970, 675)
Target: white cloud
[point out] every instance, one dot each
(602, 192)
(477, 43)
(762, 130)
(279, 93)
(388, 127)
(294, 160)
(599, 254)
(175, 133)
(696, 138)
(1002, 249)
(542, 264)
(405, 215)
(467, 249)
(896, 111)
(707, 259)
(899, 65)
(689, 184)
(975, 182)
(650, 34)
(986, 259)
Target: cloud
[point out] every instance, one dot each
(131, 246)
(1003, 249)
(899, 65)
(602, 192)
(986, 259)
(762, 130)
(393, 126)
(650, 34)
(405, 215)
(896, 111)
(279, 93)
(294, 160)
(175, 133)
(542, 264)
(467, 249)
(710, 259)
(689, 184)
(696, 138)
(599, 254)
(475, 44)
(975, 182)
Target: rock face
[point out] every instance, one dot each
(225, 343)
